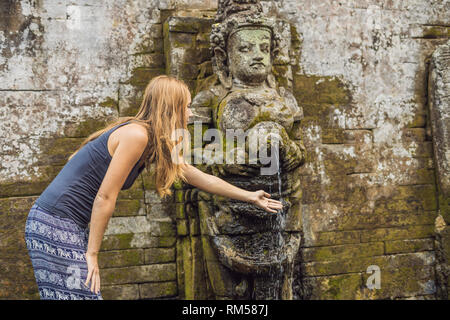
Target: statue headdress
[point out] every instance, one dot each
(231, 16)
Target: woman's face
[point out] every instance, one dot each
(189, 111)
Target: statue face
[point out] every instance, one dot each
(249, 55)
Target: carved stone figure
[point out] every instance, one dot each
(249, 253)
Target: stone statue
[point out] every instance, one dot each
(249, 253)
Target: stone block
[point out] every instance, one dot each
(397, 233)
(139, 274)
(140, 224)
(340, 287)
(181, 40)
(182, 227)
(180, 212)
(404, 246)
(32, 187)
(135, 192)
(135, 240)
(188, 24)
(420, 150)
(403, 275)
(152, 196)
(120, 292)
(418, 260)
(121, 258)
(82, 129)
(196, 55)
(310, 89)
(158, 290)
(158, 211)
(343, 252)
(141, 76)
(180, 268)
(419, 120)
(159, 255)
(333, 136)
(336, 237)
(375, 220)
(194, 227)
(146, 60)
(129, 208)
(156, 31)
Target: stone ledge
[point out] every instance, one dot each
(120, 292)
(159, 255)
(135, 240)
(339, 252)
(158, 290)
(139, 274)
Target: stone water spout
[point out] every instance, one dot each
(249, 253)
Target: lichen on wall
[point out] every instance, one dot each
(64, 68)
(360, 73)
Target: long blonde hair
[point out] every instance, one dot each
(162, 111)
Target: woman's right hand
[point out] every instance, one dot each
(93, 272)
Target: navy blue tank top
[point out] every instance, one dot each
(71, 194)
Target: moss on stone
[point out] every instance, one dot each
(319, 90)
(405, 246)
(187, 266)
(166, 242)
(397, 233)
(110, 103)
(139, 274)
(159, 255)
(444, 207)
(182, 227)
(333, 136)
(156, 290)
(84, 128)
(280, 72)
(117, 241)
(432, 32)
(338, 287)
(180, 213)
(127, 208)
(262, 116)
(141, 76)
(121, 258)
(343, 252)
(33, 187)
(56, 151)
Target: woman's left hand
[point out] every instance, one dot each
(93, 272)
(261, 199)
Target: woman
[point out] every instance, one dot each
(63, 249)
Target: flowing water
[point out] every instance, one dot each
(270, 286)
(276, 274)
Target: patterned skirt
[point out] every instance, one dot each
(57, 248)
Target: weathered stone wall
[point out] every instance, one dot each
(66, 68)
(369, 187)
(369, 194)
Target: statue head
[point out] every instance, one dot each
(243, 43)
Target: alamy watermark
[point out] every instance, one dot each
(74, 280)
(259, 141)
(374, 281)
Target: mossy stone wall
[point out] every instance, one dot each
(359, 71)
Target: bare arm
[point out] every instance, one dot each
(128, 151)
(215, 185)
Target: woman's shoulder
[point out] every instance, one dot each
(133, 135)
(135, 132)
